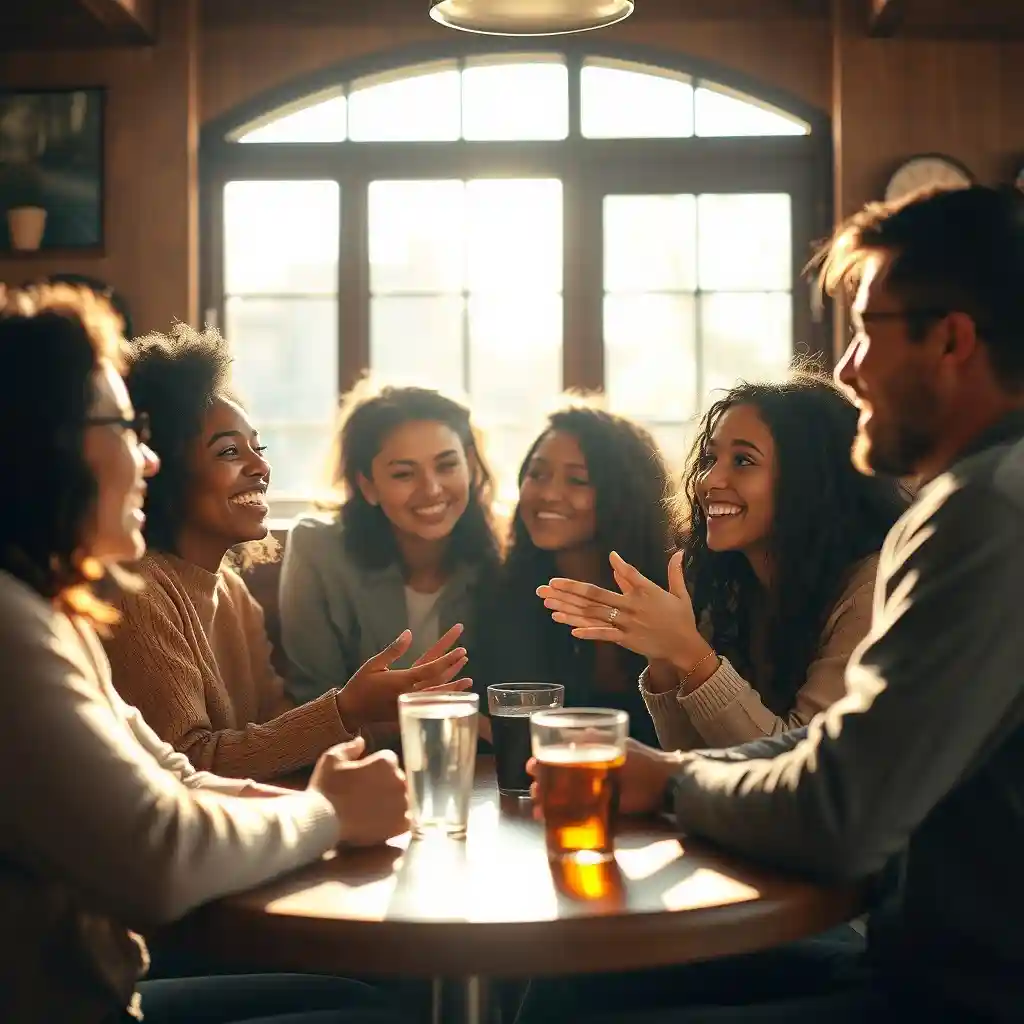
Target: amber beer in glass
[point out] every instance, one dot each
(580, 753)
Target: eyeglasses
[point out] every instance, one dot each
(139, 424)
(920, 313)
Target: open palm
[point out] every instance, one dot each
(645, 618)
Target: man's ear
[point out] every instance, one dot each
(368, 491)
(961, 340)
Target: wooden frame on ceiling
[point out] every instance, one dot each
(885, 17)
(126, 21)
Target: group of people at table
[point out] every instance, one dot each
(820, 674)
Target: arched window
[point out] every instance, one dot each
(509, 224)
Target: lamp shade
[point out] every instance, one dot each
(529, 17)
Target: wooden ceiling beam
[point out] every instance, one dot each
(124, 21)
(885, 17)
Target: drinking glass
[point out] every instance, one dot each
(510, 706)
(439, 733)
(580, 753)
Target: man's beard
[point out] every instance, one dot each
(897, 448)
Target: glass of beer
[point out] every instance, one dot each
(439, 733)
(580, 753)
(510, 706)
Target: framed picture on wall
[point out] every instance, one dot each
(51, 169)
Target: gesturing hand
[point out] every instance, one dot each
(644, 618)
(371, 695)
(368, 796)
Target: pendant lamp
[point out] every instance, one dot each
(529, 17)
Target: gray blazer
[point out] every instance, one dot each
(336, 614)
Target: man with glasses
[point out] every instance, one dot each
(916, 778)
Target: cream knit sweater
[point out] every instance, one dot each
(104, 828)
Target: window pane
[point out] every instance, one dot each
(650, 243)
(650, 356)
(514, 234)
(418, 340)
(515, 373)
(417, 236)
(744, 242)
(421, 105)
(281, 237)
(619, 103)
(745, 336)
(719, 112)
(286, 370)
(322, 121)
(515, 99)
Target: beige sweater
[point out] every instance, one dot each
(726, 710)
(192, 654)
(104, 828)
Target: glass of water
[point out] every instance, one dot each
(439, 733)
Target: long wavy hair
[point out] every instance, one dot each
(368, 417)
(54, 338)
(827, 517)
(630, 482)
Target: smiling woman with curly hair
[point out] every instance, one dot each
(192, 652)
(771, 590)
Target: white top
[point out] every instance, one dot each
(96, 806)
(424, 620)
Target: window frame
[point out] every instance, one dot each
(589, 168)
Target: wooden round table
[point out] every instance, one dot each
(492, 906)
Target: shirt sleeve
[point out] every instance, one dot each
(155, 669)
(928, 691)
(726, 709)
(316, 648)
(121, 830)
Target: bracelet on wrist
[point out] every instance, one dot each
(712, 653)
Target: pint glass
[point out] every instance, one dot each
(510, 706)
(580, 753)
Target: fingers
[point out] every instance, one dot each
(350, 750)
(576, 607)
(586, 622)
(384, 755)
(439, 670)
(458, 686)
(676, 582)
(622, 568)
(391, 653)
(608, 634)
(588, 591)
(438, 648)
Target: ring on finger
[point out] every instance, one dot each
(613, 615)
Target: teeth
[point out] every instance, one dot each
(249, 498)
(718, 510)
(431, 510)
(551, 515)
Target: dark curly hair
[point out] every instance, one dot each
(630, 482)
(368, 416)
(53, 339)
(175, 377)
(827, 518)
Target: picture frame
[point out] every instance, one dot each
(52, 169)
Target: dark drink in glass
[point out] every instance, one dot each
(510, 706)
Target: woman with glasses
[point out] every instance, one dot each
(105, 831)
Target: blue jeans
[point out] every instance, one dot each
(263, 999)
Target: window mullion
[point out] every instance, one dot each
(353, 283)
(583, 286)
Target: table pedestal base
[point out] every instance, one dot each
(460, 1001)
